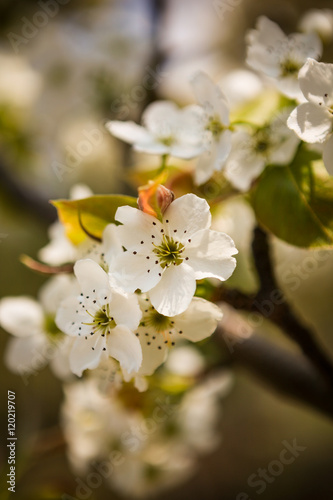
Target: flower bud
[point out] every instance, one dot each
(154, 199)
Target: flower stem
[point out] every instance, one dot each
(163, 166)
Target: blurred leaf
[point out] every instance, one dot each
(296, 203)
(95, 212)
(261, 109)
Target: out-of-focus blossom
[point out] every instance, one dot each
(251, 152)
(279, 56)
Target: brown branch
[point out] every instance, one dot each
(289, 374)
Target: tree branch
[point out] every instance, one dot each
(281, 312)
(287, 373)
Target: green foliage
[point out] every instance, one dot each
(295, 203)
(95, 213)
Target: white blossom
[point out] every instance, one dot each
(166, 130)
(37, 340)
(279, 56)
(101, 319)
(319, 21)
(251, 152)
(213, 123)
(313, 120)
(157, 333)
(166, 258)
(92, 422)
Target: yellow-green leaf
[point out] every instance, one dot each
(95, 212)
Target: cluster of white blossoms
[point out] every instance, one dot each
(143, 443)
(131, 297)
(201, 130)
(205, 131)
(279, 56)
(116, 321)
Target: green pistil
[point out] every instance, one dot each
(102, 322)
(262, 140)
(167, 141)
(157, 321)
(169, 252)
(289, 68)
(215, 126)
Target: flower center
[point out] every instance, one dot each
(289, 67)
(167, 141)
(102, 322)
(157, 321)
(262, 141)
(215, 126)
(169, 252)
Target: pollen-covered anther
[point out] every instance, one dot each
(169, 251)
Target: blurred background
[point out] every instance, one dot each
(66, 67)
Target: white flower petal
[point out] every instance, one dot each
(289, 86)
(111, 244)
(186, 215)
(86, 353)
(160, 118)
(285, 149)
(60, 360)
(210, 97)
(93, 281)
(59, 250)
(137, 227)
(152, 147)
(186, 151)
(241, 170)
(136, 271)
(223, 147)
(199, 320)
(124, 346)
(27, 355)
(128, 131)
(21, 316)
(316, 80)
(55, 290)
(213, 159)
(154, 350)
(264, 44)
(310, 122)
(210, 255)
(71, 316)
(174, 292)
(305, 46)
(204, 168)
(328, 155)
(125, 309)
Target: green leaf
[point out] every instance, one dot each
(95, 212)
(295, 203)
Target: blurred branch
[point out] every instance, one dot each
(27, 198)
(291, 375)
(281, 313)
(271, 303)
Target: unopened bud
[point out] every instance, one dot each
(154, 199)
